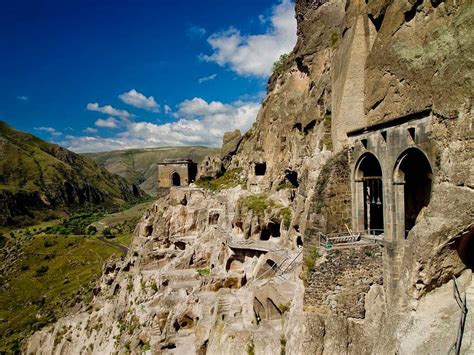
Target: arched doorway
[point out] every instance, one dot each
(369, 194)
(412, 172)
(175, 179)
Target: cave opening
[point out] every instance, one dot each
(292, 177)
(260, 169)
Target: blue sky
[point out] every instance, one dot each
(110, 74)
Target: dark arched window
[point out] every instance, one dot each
(413, 170)
(175, 179)
(369, 173)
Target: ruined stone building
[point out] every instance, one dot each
(176, 173)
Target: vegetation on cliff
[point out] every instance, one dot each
(39, 180)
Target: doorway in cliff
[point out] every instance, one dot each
(175, 179)
(413, 172)
(260, 169)
(369, 194)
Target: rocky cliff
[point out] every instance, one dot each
(245, 270)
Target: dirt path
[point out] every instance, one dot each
(122, 247)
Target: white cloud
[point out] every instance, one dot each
(22, 98)
(90, 130)
(109, 110)
(107, 123)
(207, 78)
(167, 109)
(49, 130)
(137, 99)
(255, 54)
(198, 123)
(200, 107)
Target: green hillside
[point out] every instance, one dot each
(138, 166)
(40, 180)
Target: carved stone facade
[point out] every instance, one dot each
(176, 173)
(392, 175)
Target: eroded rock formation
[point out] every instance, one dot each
(223, 273)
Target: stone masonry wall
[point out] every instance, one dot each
(340, 281)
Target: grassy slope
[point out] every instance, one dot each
(29, 300)
(139, 165)
(30, 166)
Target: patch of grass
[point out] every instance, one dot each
(284, 185)
(257, 203)
(203, 272)
(309, 261)
(286, 215)
(334, 40)
(260, 203)
(231, 178)
(35, 293)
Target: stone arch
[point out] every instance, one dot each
(175, 179)
(412, 179)
(368, 194)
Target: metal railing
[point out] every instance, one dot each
(334, 240)
(462, 303)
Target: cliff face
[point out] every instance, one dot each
(223, 273)
(38, 178)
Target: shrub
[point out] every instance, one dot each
(228, 180)
(309, 262)
(279, 65)
(203, 272)
(286, 214)
(41, 270)
(91, 230)
(334, 39)
(257, 203)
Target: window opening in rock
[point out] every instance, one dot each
(299, 241)
(309, 127)
(292, 177)
(260, 169)
(274, 229)
(265, 234)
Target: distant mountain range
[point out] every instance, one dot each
(39, 179)
(139, 167)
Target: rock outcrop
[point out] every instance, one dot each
(223, 273)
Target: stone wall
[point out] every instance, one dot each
(330, 208)
(185, 169)
(340, 282)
